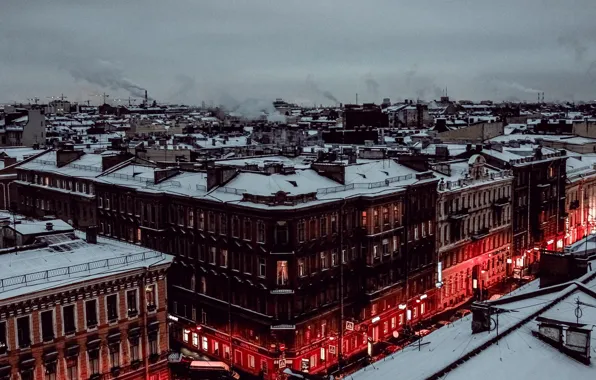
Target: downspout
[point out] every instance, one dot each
(144, 334)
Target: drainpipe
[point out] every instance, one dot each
(144, 336)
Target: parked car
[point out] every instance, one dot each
(423, 332)
(460, 314)
(442, 323)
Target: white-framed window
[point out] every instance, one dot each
(185, 335)
(23, 330)
(204, 343)
(48, 332)
(91, 315)
(251, 361)
(132, 302)
(262, 267)
(69, 319)
(195, 339)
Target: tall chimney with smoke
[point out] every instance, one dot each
(146, 98)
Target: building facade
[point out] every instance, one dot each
(337, 253)
(73, 320)
(539, 200)
(473, 228)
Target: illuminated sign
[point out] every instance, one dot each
(376, 319)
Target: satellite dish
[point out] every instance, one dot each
(395, 334)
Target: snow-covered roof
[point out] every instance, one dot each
(20, 153)
(454, 352)
(39, 227)
(67, 260)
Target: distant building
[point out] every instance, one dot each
(367, 115)
(23, 127)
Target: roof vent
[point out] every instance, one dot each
(49, 226)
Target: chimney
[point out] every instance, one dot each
(146, 97)
(92, 235)
(49, 226)
(67, 154)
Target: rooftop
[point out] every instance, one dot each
(515, 353)
(69, 259)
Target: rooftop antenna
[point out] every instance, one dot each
(356, 98)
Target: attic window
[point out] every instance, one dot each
(293, 183)
(362, 175)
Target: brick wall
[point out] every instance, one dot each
(37, 349)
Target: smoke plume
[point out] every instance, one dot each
(372, 86)
(252, 109)
(520, 87)
(107, 75)
(310, 82)
(186, 85)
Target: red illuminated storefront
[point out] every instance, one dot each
(316, 357)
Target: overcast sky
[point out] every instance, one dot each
(304, 51)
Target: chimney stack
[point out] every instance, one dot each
(92, 235)
(49, 226)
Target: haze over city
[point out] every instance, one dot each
(306, 52)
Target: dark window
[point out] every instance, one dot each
(47, 325)
(281, 233)
(91, 313)
(23, 332)
(115, 355)
(27, 374)
(301, 236)
(247, 232)
(72, 368)
(3, 342)
(131, 301)
(134, 350)
(235, 226)
(323, 226)
(69, 319)
(153, 347)
(112, 301)
(50, 371)
(93, 361)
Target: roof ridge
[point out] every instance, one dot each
(454, 364)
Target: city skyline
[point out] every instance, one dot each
(188, 52)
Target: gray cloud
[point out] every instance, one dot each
(253, 50)
(575, 44)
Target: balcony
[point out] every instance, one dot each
(481, 233)
(501, 202)
(459, 214)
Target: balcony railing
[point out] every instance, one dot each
(501, 202)
(459, 214)
(481, 233)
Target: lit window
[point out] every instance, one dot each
(195, 339)
(282, 273)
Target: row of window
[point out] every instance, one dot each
(59, 183)
(476, 199)
(69, 319)
(202, 342)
